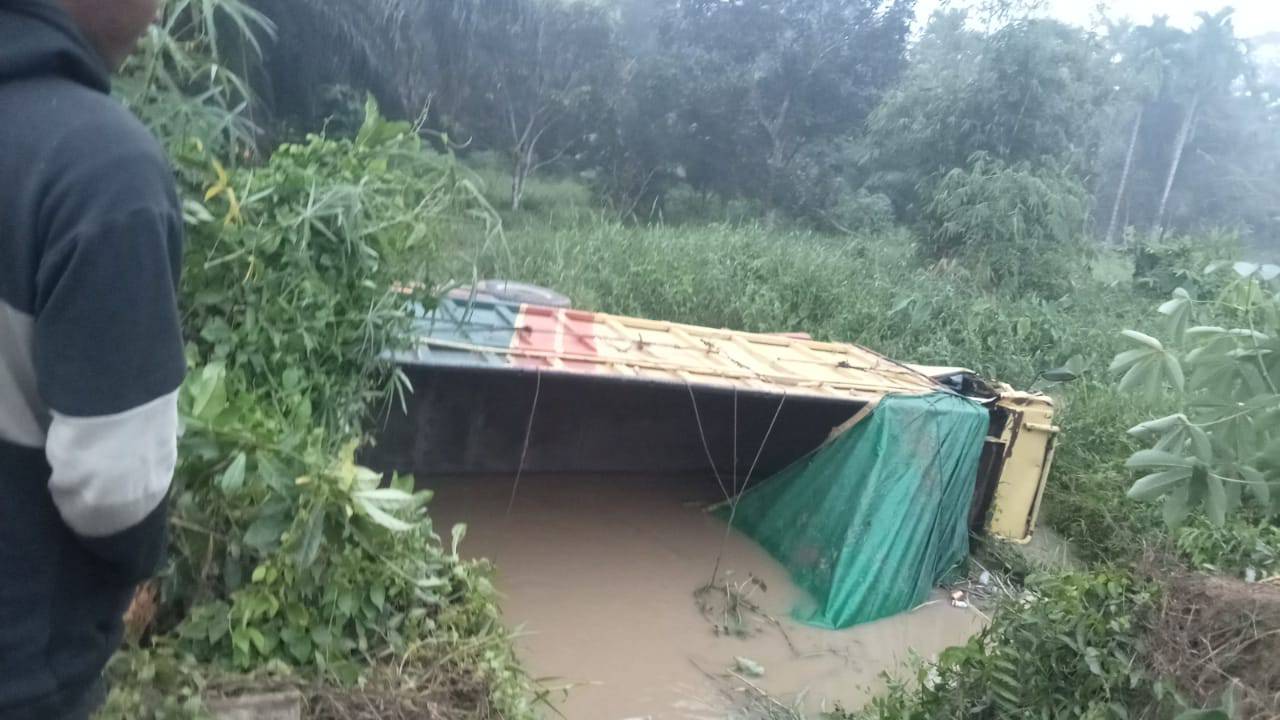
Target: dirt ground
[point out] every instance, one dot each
(1212, 633)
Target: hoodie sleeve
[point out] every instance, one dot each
(108, 347)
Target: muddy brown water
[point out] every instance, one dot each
(599, 574)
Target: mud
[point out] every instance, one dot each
(600, 574)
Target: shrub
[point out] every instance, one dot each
(1162, 266)
(1222, 451)
(1021, 227)
(861, 212)
(1069, 647)
(284, 553)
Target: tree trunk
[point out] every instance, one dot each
(1124, 177)
(1181, 143)
(519, 173)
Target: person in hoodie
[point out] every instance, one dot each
(91, 353)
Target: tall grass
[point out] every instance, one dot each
(870, 290)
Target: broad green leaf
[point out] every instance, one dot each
(459, 531)
(1143, 339)
(387, 497)
(232, 479)
(1173, 371)
(1091, 659)
(402, 482)
(1061, 374)
(367, 479)
(1157, 484)
(312, 536)
(1157, 458)
(1128, 358)
(382, 517)
(1245, 269)
(264, 533)
(1146, 377)
(1201, 446)
(1158, 426)
(1179, 312)
(208, 391)
(1202, 331)
(346, 603)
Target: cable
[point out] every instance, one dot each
(528, 432)
(706, 447)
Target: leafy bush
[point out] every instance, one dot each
(1248, 549)
(285, 551)
(285, 555)
(1223, 450)
(1068, 648)
(295, 264)
(1162, 266)
(858, 211)
(1021, 227)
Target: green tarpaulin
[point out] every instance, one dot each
(870, 522)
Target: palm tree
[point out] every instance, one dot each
(1143, 66)
(1215, 60)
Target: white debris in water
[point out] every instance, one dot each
(1251, 575)
(747, 666)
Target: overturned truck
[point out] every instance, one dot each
(862, 475)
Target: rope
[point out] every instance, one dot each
(705, 446)
(733, 504)
(735, 440)
(528, 432)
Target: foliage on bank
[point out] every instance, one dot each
(289, 563)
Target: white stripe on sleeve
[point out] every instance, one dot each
(22, 415)
(111, 471)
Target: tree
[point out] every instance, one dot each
(1215, 61)
(1031, 91)
(761, 80)
(549, 68)
(1140, 74)
(1014, 225)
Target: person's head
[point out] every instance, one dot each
(113, 27)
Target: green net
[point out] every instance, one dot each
(870, 522)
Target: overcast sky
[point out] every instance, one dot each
(1252, 17)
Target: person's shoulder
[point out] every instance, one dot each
(97, 156)
(101, 126)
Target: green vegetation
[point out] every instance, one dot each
(1021, 227)
(288, 562)
(1222, 451)
(1064, 649)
